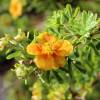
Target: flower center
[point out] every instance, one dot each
(47, 48)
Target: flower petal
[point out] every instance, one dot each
(45, 62)
(60, 61)
(65, 49)
(34, 49)
(45, 37)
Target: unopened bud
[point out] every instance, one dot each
(20, 37)
(1, 46)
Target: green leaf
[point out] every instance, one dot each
(80, 67)
(73, 22)
(60, 80)
(70, 68)
(68, 10)
(76, 12)
(94, 48)
(14, 55)
(46, 76)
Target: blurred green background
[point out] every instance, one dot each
(33, 16)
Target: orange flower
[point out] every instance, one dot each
(49, 51)
(15, 8)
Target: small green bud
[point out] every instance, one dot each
(21, 36)
(1, 46)
(20, 72)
